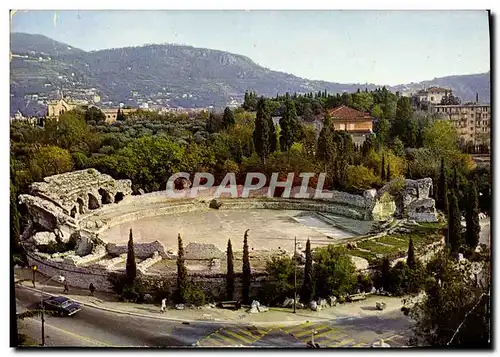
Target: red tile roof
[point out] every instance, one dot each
(346, 113)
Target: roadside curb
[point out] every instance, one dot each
(226, 322)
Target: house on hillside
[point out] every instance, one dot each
(356, 123)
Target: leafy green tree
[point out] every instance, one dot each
(48, 161)
(307, 289)
(247, 273)
(182, 274)
(308, 114)
(442, 139)
(94, 114)
(131, 267)
(360, 178)
(230, 272)
(335, 273)
(280, 283)
(228, 118)
(67, 131)
(262, 134)
(472, 217)
(289, 126)
(454, 225)
(454, 311)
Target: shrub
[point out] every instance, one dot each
(194, 295)
(365, 282)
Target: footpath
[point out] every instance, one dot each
(274, 316)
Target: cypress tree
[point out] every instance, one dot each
(326, 146)
(262, 133)
(131, 268)
(228, 118)
(230, 272)
(472, 217)
(306, 292)
(382, 172)
(289, 126)
(442, 189)
(388, 174)
(410, 260)
(182, 275)
(454, 226)
(246, 276)
(386, 274)
(408, 171)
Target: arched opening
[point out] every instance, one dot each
(118, 197)
(80, 205)
(93, 203)
(105, 197)
(73, 212)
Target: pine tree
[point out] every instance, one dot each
(247, 273)
(307, 290)
(454, 227)
(228, 118)
(410, 260)
(472, 217)
(182, 276)
(382, 172)
(388, 174)
(230, 272)
(262, 133)
(289, 126)
(131, 267)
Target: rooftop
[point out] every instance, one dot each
(344, 112)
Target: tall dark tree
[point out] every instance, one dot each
(119, 115)
(247, 273)
(131, 267)
(182, 275)
(228, 118)
(289, 125)
(388, 176)
(326, 146)
(307, 289)
(442, 189)
(382, 171)
(472, 217)
(262, 132)
(454, 226)
(230, 272)
(410, 260)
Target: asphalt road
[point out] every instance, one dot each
(92, 327)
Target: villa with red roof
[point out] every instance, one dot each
(358, 124)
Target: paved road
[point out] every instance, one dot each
(93, 327)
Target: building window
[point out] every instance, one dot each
(432, 99)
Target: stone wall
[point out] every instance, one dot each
(142, 250)
(145, 264)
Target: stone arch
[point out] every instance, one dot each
(105, 196)
(73, 212)
(93, 202)
(118, 197)
(81, 205)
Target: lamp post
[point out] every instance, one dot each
(61, 279)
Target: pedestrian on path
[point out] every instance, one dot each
(66, 287)
(92, 289)
(163, 305)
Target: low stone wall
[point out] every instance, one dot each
(142, 250)
(145, 264)
(80, 277)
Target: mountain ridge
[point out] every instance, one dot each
(174, 75)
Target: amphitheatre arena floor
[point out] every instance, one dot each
(268, 229)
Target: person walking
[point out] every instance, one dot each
(92, 289)
(163, 305)
(66, 287)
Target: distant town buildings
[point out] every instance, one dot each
(472, 121)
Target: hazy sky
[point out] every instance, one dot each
(382, 47)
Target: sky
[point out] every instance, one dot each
(381, 47)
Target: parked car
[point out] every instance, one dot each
(61, 305)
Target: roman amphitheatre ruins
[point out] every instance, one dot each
(91, 214)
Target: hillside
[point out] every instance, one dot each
(163, 75)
